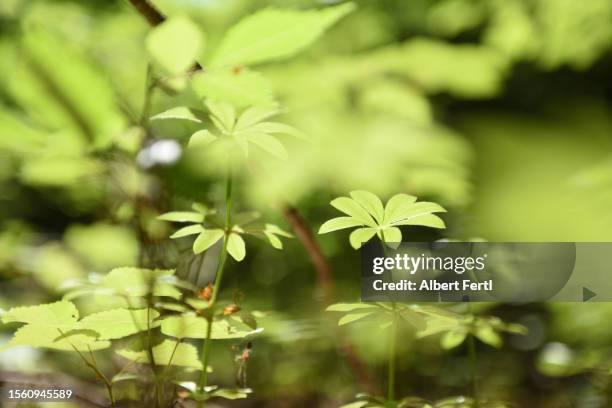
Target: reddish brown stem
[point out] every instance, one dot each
(325, 281)
(148, 11)
(305, 236)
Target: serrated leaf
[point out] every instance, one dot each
(239, 87)
(169, 352)
(195, 327)
(339, 223)
(361, 236)
(350, 207)
(62, 314)
(353, 317)
(118, 323)
(236, 247)
(179, 112)
(268, 144)
(175, 44)
(188, 230)
(371, 203)
(206, 239)
(46, 336)
(273, 34)
(452, 339)
(348, 307)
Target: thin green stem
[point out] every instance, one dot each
(473, 364)
(392, 351)
(206, 347)
(93, 366)
(473, 369)
(148, 96)
(391, 362)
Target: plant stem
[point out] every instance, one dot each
(391, 358)
(391, 361)
(146, 104)
(93, 366)
(473, 361)
(202, 383)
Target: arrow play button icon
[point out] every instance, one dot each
(587, 294)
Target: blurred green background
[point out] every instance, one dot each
(500, 110)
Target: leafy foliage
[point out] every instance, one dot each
(210, 233)
(274, 34)
(365, 210)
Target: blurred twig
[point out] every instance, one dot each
(304, 233)
(148, 11)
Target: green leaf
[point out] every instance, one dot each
(370, 202)
(419, 214)
(275, 229)
(118, 323)
(276, 127)
(361, 236)
(452, 339)
(189, 230)
(396, 206)
(488, 336)
(46, 336)
(201, 138)
(239, 87)
(350, 207)
(136, 282)
(339, 223)
(348, 307)
(413, 318)
(392, 235)
(175, 44)
(254, 115)
(223, 114)
(268, 143)
(273, 34)
(58, 315)
(169, 352)
(195, 327)
(179, 112)
(236, 247)
(353, 317)
(274, 240)
(231, 394)
(206, 239)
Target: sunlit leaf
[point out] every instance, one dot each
(175, 44)
(273, 34)
(236, 247)
(169, 352)
(180, 112)
(206, 239)
(118, 323)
